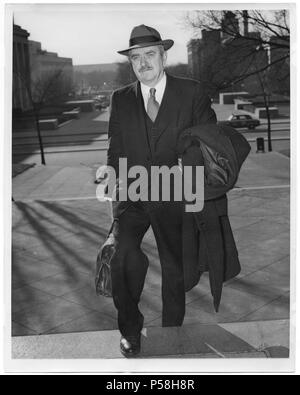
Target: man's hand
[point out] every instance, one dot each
(101, 175)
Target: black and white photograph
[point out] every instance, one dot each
(149, 153)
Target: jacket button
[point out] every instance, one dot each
(202, 225)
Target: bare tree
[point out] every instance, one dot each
(267, 24)
(267, 107)
(245, 30)
(44, 90)
(249, 46)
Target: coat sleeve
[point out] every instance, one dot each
(114, 137)
(202, 110)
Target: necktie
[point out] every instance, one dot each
(152, 106)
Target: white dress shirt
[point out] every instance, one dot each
(160, 90)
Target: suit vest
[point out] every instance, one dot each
(151, 129)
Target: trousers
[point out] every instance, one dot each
(129, 263)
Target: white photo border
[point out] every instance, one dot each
(139, 366)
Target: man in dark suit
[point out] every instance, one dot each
(146, 119)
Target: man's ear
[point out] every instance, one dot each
(165, 57)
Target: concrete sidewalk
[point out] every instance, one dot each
(58, 226)
(69, 182)
(268, 339)
(53, 290)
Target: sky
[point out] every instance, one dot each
(92, 34)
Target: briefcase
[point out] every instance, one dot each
(103, 269)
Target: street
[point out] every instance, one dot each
(84, 141)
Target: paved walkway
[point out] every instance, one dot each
(53, 289)
(68, 182)
(58, 226)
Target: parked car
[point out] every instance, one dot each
(102, 101)
(98, 104)
(241, 121)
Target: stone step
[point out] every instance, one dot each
(236, 340)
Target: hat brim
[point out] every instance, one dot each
(167, 44)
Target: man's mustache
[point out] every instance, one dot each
(142, 69)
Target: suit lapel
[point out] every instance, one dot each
(140, 111)
(169, 108)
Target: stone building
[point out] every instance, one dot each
(21, 69)
(48, 66)
(34, 68)
(194, 50)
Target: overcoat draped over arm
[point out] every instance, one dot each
(208, 242)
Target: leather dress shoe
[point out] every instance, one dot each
(130, 345)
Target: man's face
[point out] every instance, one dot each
(148, 64)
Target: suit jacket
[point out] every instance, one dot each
(207, 245)
(184, 104)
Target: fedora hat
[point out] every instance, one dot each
(145, 36)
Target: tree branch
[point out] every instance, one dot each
(259, 70)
